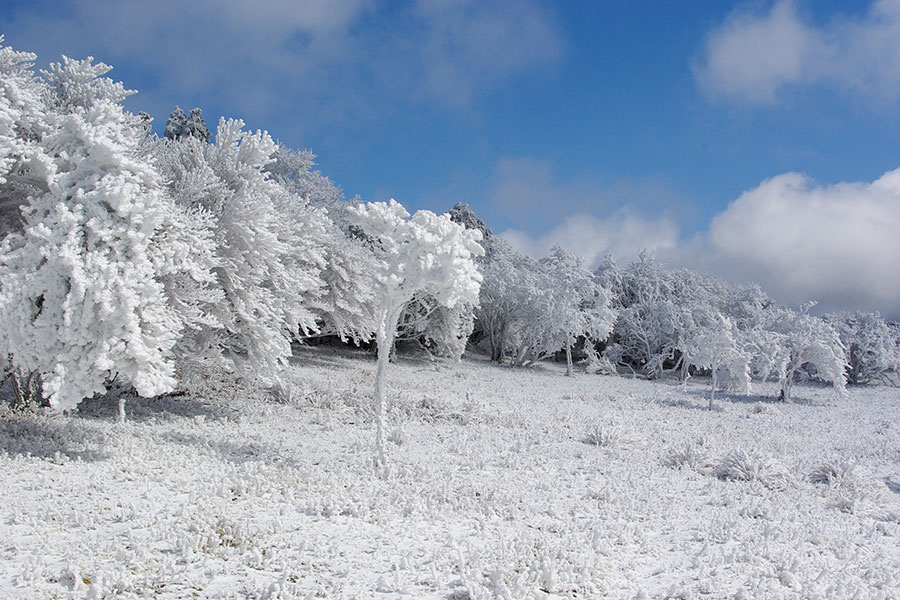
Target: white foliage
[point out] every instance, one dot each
(269, 252)
(873, 351)
(427, 254)
(81, 300)
(23, 122)
(741, 465)
(714, 347)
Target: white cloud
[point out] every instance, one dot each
(624, 233)
(753, 56)
(838, 244)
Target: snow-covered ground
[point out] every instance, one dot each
(505, 483)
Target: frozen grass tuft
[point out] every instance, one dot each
(740, 465)
(692, 456)
(844, 475)
(607, 436)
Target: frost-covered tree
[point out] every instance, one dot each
(427, 254)
(268, 250)
(646, 334)
(508, 296)
(180, 126)
(81, 299)
(806, 342)
(569, 304)
(716, 348)
(872, 351)
(345, 305)
(23, 123)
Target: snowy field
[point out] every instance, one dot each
(505, 484)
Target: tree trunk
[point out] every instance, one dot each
(384, 339)
(568, 355)
(715, 381)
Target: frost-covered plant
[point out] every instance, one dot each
(603, 436)
(873, 354)
(576, 305)
(845, 475)
(714, 347)
(81, 297)
(740, 465)
(23, 123)
(806, 342)
(690, 455)
(423, 254)
(268, 243)
(509, 296)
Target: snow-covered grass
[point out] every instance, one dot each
(504, 483)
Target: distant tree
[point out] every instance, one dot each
(646, 334)
(175, 124)
(872, 350)
(575, 305)
(465, 216)
(196, 126)
(806, 342)
(716, 348)
(423, 254)
(508, 296)
(180, 126)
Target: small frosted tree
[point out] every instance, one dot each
(872, 351)
(577, 304)
(715, 348)
(423, 254)
(807, 342)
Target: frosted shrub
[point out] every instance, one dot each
(740, 465)
(283, 392)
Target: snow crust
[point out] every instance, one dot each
(505, 484)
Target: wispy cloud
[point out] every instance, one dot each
(624, 233)
(755, 55)
(529, 194)
(323, 60)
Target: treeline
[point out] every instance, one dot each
(145, 259)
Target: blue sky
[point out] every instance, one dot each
(742, 138)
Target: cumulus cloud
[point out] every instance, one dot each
(837, 244)
(624, 233)
(753, 56)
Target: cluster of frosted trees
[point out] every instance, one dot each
(650, 321)
(129, 257)
(139, 259)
